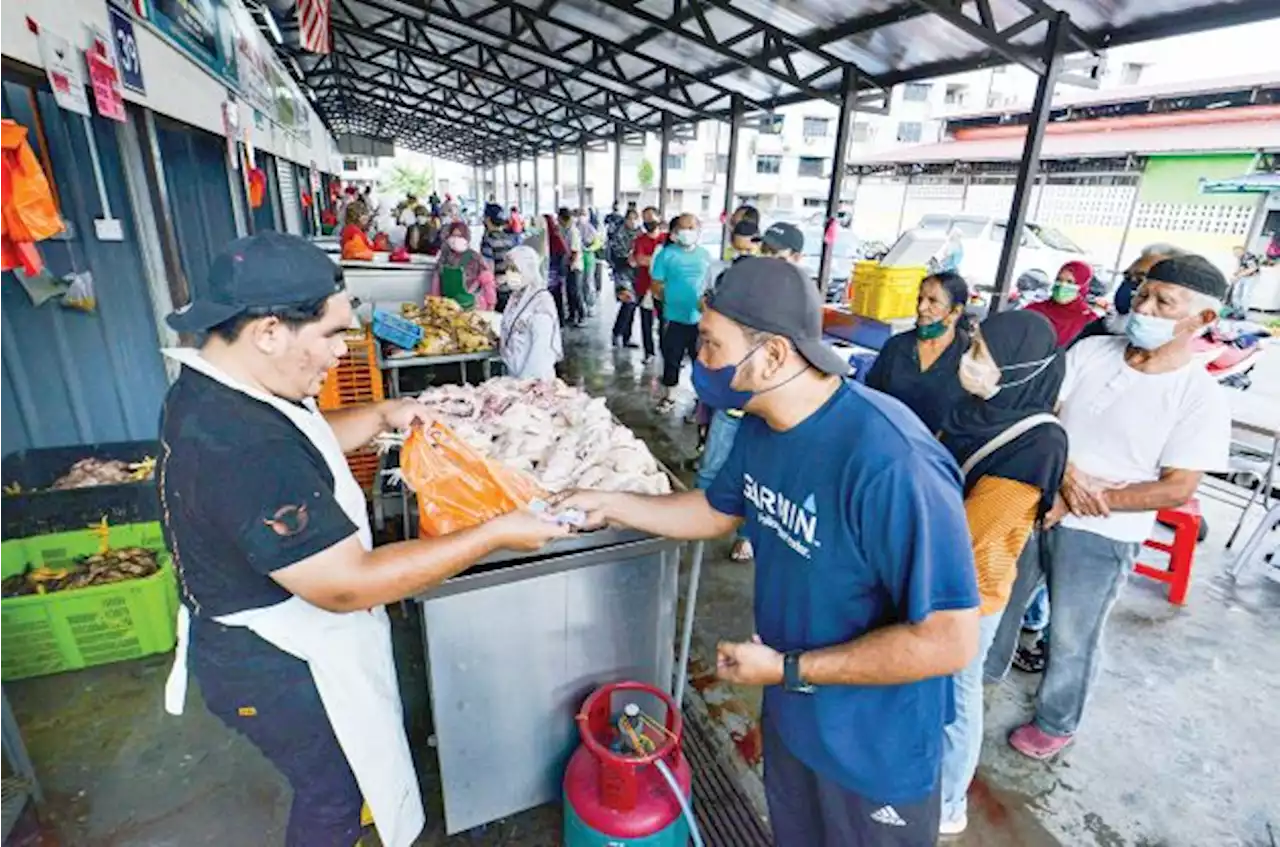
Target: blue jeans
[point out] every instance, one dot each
(720, 436)
(1084, 572)
(1037, 616)
(962, 738)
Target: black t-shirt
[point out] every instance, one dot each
(930, 394)
(244, 493)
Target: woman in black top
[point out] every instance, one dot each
(921, 368)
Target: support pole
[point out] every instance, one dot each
(1055, 46)
(476, 186)
(617, 170)
(663, 175)
(520, 183)
(731, 170)
(506, 184)
(582, 177)
(844, 131)
(537, 185)
(902, 209)
(555, 179)
(1128, 225)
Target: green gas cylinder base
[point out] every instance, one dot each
(578, 834)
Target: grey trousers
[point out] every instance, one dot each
(1084, 573)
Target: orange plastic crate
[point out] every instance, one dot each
(356, 379)
(364, 466)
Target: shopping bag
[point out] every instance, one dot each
(455, 485)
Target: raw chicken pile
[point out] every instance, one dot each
(556, 433)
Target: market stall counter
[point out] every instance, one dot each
(386, 282)
(515, 645)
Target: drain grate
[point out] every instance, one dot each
(724, 813)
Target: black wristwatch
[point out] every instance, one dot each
(791, 680)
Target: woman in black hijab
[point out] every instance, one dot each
(1013, 452)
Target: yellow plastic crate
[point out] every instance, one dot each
(885, 293)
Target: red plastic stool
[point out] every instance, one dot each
(1185, 523)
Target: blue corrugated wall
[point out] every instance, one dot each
(70, 377)
(195, 176)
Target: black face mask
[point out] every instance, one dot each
(651, 226)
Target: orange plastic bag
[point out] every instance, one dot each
(456, 486)
(28, 212)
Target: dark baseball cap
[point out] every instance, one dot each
(268, 271)
(746, 229)
(784, 236)
(772, 295)
(1190, 271)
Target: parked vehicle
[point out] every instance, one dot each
(1043, 249)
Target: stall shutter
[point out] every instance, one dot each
(71, 377)
(195, 176)
(289, 202)
(264, 217)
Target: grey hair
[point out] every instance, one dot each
(1162, 249)
(1201, 302)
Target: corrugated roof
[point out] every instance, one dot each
(514, 77)
(1211, 138)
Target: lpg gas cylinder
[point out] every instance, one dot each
(614, 796)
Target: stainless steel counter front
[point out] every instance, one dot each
(515, 645)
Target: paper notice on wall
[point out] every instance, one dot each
(65, 69)
(107, 95)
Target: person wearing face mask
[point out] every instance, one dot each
(417, 238)
(1145, 422)
(530, 337)
(496, 242)
(1067, 308)
(1113, 323)
(646, 245)
(1012, 452)
(355, 238)
(921, 368)
(461, 273)
(681, 269)
(618, 254)
(865, 594)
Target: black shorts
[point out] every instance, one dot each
(809, 810)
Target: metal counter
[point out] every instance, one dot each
(385, 282)
(515, 645)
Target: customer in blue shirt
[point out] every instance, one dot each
(680, 269)
(865, 595)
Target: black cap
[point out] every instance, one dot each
(746, 229)
(267, 271)
(783, 236)
(1194, 272)
(772, 295)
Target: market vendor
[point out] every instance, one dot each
(865, 594)
(282, 592)
(922, 368)
(461, 272)
(355, 238)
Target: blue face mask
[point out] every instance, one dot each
(1148, 332)
(714, 386)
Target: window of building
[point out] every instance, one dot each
(916, 92)
(350, 165)
(675, 161)
(815, 203)
(706, 203)
(956, 95)
(816, 127)
(812, 166)
(910, 131)
(771, 125)
(716, 164)
(863, 131)
(768, 164)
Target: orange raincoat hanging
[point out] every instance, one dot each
(28, 212)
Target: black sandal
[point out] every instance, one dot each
(1032, 659)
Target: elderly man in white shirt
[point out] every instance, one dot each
(1144, 422)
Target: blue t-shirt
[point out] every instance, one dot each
(857, 520)
(682, 272)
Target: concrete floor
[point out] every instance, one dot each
(1178, 748)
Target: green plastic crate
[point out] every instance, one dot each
(83, 627)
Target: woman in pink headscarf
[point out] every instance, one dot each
(462, 274)
(1067, 307)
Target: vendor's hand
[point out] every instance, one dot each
(596, 505)
(749, 663)
(405, 412)
(525, 530)
(1055, 514)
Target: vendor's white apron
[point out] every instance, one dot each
(349, 654)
